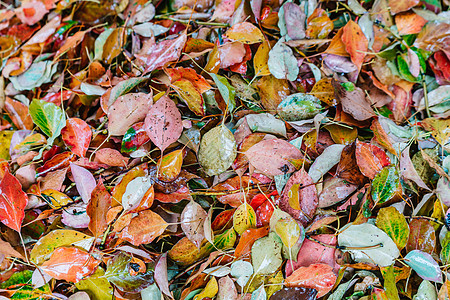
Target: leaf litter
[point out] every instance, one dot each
(224, 149)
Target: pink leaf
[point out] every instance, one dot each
(273, 157)
(312, 253)
(163, 123)
(111, 157)
(158, 55)
(31, 12)
(84, 181)
(231, 53)
(161, 278)
(127, 110)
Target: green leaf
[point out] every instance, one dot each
(96, 286)
(38, 73)
(426, 291)
(266, 254)
(445, 251)
(21, 288)
(117, 273)
(48, 117)
(217, 150)
(227, 91)
(391, 221)
(385, 185)
(298, 107)
(403, 69)
(389, 282)
(225, 240)
(124, 87)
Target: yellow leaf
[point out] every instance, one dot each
(244, 218)
(169, 166)
(190, 95)
(260, 60)
(56, 198)
(209, 291)
(246, 33)
(324, 91)
(5, 141)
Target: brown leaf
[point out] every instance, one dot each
(354, 102)
(356, 43)
(348, 168)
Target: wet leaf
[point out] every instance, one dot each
(317, 276)
(96, 285)
(371, 159)
(163, 123)
(273, 157)
(217, 150)
(127, 110)
(245, 32)
(192, 222)
(13, 201)
(374, 245)
(266, 254)
(391, 221)
(118, 273)
(422, 236)
(77, 136)
(144, 228)
(299, 106)
(385, 185)
(282, 62)
(244, 218)
(70, 263)
(424, 264)
(96, 209)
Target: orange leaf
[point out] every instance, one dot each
(356, 43)
(337, 46)
(70, 263)
(169, 166)
(316, 276)
(397, 6)
(370, 158)
(247, 239)
(144, 228)
(97, 208)
(190, 74)
(409, 23)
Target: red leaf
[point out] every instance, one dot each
(13, 201)
(316, 276)
(70, 263)
(305, 198)
(163, 123)
(77, 135)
